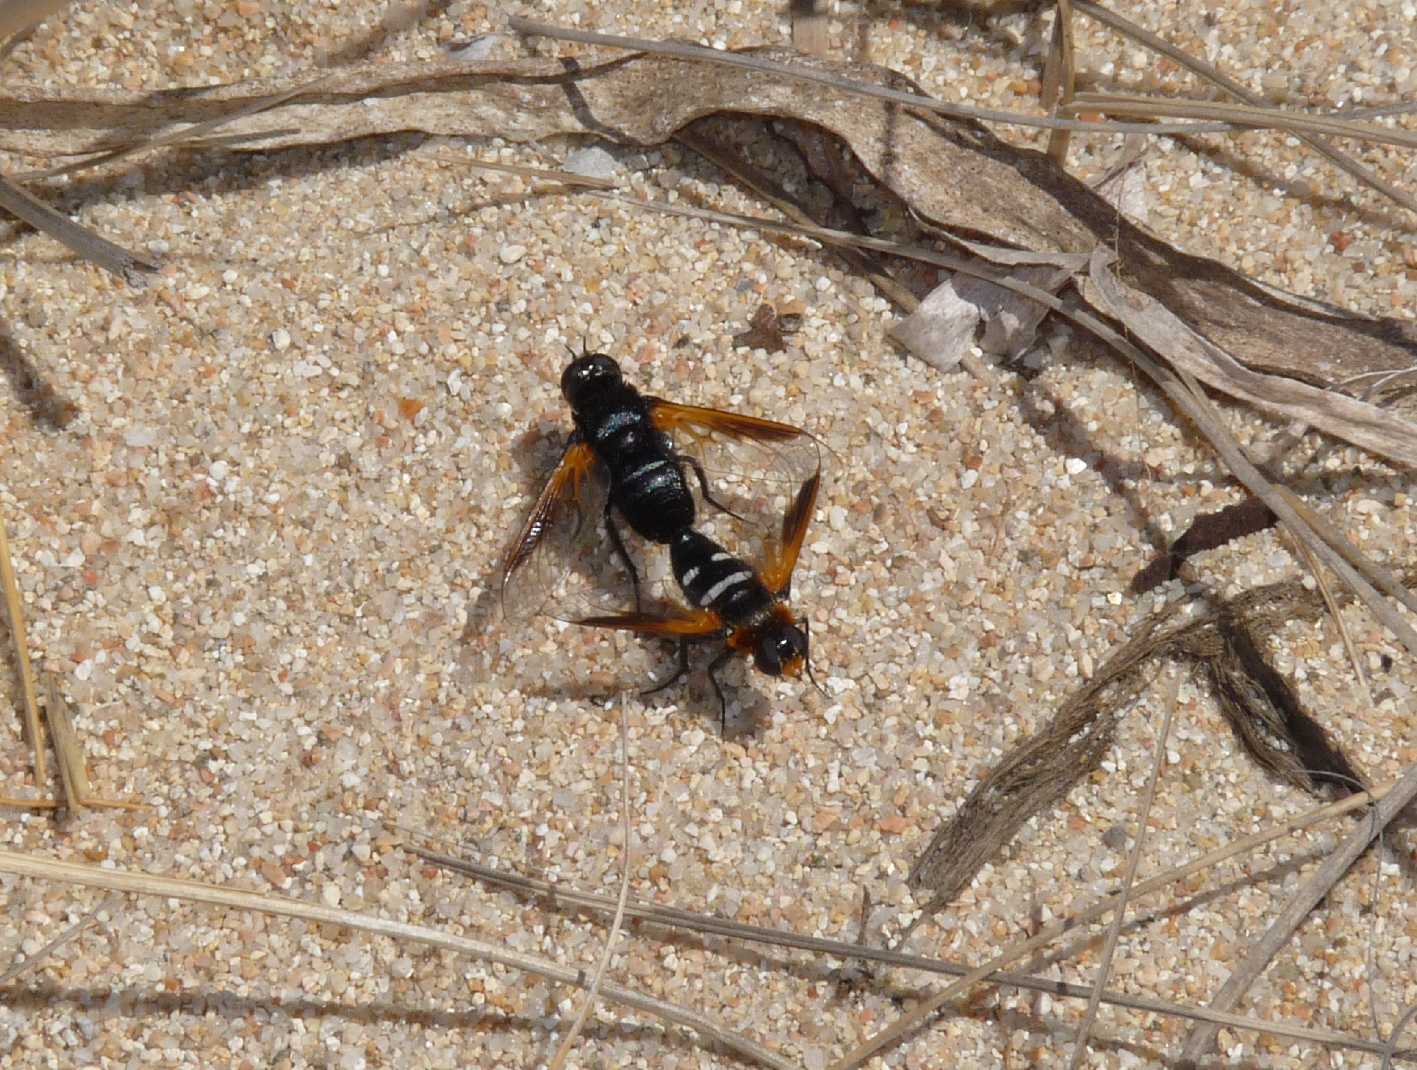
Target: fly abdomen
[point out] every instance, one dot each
(713, 579)
(651, 493)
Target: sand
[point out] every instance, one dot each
(263, 561)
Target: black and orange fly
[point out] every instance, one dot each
(631, 454)
(732, 600)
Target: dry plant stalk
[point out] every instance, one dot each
(19, 969)
(566, 178)
(138, 883)
(15, 614)
(1114, 930)
(1018, 198)
(1060, 77)
(674, 918)
(1392, 803)
(1310, 893)
(1227, 642)
(1204, 70)
(1259, 118)
(563, 1051)
(73, 771)
(113, 258)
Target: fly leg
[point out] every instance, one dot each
(679, 673)
(683, 458)
(624, 555)
(713, 668)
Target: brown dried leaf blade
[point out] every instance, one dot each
(955, 175)
(1261, 707)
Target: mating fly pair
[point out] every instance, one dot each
(634, 455)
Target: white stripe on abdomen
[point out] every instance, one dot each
(711, 595)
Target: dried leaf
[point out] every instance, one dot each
(1016, 197)
(1033, 777)
(1153, 323)
(764, 331)
(1038, 773)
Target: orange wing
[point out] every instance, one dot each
(782, 557)
(731, 444)
(531, 568)
(694, 419)
(683, 625)
(753, 467)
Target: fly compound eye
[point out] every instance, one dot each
(768, 657)
(780, 650)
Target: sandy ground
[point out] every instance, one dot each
(262, 561)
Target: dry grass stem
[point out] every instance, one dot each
(191, 891)
(1318, 885)
(568, 178)
(1119, 915)
(1362, 693)
(588, 1001)
(195, 135)
(803, 73)
(1211, 74)
(723, 927)
(88, 921)
(1203, 413)
(1243, 115)
(1060, 77)
(1390, 1049)
(1186, 393)
(15, 613)
(1365, 425)
(73, 771)
(676, 918)
(83, 242)
(1381, 578)
(67, 748)
(1103, 907)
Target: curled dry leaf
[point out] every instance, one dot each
(1228, 643)
(1153, 323)
(959, 180)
